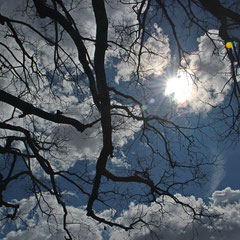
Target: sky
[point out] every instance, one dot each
(221, 192)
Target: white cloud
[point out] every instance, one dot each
(49, 227)
(89, 142)
(155, 56)
(171, 222)
(226, 197)
(211, 71)
(77, 145)
(124, 128)
(6, 111)
(119, 162)
(168, 220)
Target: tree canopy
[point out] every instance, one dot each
(111, 103)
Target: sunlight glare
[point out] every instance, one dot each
(180, 87)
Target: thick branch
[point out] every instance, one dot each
(101, 46)
(45, 11)
(28, 108)
(218, 10)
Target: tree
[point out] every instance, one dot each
(79, 111)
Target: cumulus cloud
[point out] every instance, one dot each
(155, 56)
(226, 197)
(6, 111)
(75, 145)
(171, 222)
(61, 96)
(168, 221)
(210, 71)
(50, 226)
(119, 162)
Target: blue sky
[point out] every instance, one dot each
(78, 152)
(231, 168)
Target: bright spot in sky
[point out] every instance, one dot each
(229, 45)
(180, 87)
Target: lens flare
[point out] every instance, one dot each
(152, 100)
(229, 45)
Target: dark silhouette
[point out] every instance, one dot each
(49, 45)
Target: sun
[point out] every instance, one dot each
(180, 87)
